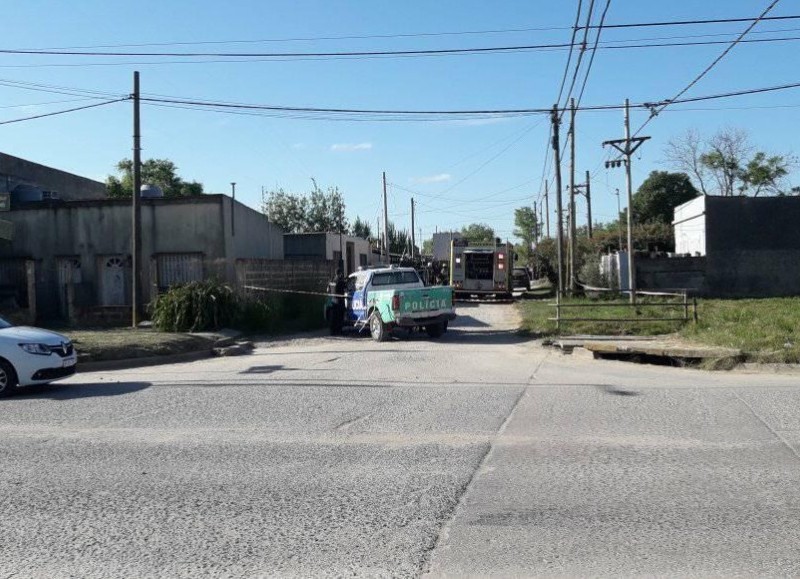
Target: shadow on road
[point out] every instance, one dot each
(76, 391)
(492, 337)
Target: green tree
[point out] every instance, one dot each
(478, 233)
(160, 172)
(765, 174)
(315, 212)
(526, 225)
(726, 165)
(285, 210)
(659, 195)
(361, 229)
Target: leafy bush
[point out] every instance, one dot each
(259, 315)
(195, 307)
(590, 273)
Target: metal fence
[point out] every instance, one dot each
(679, 300)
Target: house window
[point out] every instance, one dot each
(362, 259)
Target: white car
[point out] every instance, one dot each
(31, 356)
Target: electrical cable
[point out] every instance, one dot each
(295, 57)
(422, 34)
(654, 112)
(72, 110)
(594, 51)
(579, 59)
(569, 56)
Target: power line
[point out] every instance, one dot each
(56, 89)
(569, 56)
(654, 112)
(594, 51)
(365, 55)
(691, 22)
(580, 57)
(420, 34)
(429, 115)
(52, 114)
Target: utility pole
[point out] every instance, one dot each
(547, 207)
(136, 229)
(233, 209)
(535, 224)
(619, 222)
(586, 188)
(627, 147)
(589, 202)
(573, 285)
(560, 231)
(386, 223)
(412, 229)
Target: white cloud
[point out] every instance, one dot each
(298, 146)
(440, 178)
(351, 147)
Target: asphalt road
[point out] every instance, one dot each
(477, 454)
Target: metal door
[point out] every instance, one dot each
(64, 264)
(112, 280)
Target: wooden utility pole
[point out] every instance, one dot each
(386, 223)
(560, 231)
(547, 207)
(136, 224)
(535, 224)
(573, 284)
(412, 229)
(627, 147)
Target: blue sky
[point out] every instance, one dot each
(463, 171)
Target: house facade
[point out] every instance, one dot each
(356, 251)
(86, 244)
(24, 179)
(731, 247)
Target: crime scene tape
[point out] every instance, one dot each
(301, 292)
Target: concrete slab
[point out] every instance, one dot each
(668, 349)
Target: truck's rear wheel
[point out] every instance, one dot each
(435, 330)
(377, 328)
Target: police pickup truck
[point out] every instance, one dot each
(385, 298)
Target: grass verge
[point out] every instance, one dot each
(125, 343)
(765, 330)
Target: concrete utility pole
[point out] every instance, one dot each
(412, 229)
(573, 282)
(233, 209)
(386, 223)
(560, 231)
(586, 188)
(627, 147)
(547, 207)
(589, 202)
(136, 225)
(619, 221)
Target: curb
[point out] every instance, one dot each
(127, 363)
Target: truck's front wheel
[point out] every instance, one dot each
(377, 328)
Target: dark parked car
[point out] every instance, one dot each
(521, 278)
